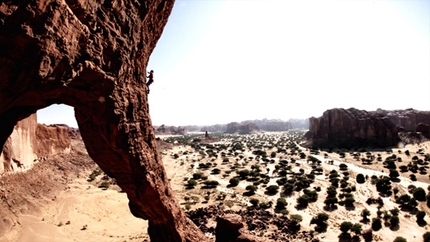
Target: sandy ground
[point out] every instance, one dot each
(82, 213)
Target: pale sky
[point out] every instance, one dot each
(221, 61)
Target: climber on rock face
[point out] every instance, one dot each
(150, 79)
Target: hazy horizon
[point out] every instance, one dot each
(224, 61)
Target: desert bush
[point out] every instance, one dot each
(419, 194)
(426, 237)
(272, 189)
(296, 217)
(420, 216)
(321, 221)
(395, 211)
(216, 171)
(94, 174)
(243, 173)
(394, 221)
(191, 183)
(345, 226)
(360, 178)
(313, 195)
(197, 175)
(104, 185)
(265, 205)
(234, 182)
(383, 185)
(303, 201)
(251, 189)
(356, 228)
(211, 184)
(281, 203)
(365, 214)
(349, 201)
(399, 239)
(343, 167)
(229, 203)
(254, 202)
(394, 174)
(376, 224)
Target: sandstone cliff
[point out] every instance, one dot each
(30, 142)
(407, 119)
(349, 128)
(92, 55)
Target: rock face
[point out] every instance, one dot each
(30, 142)
(349, 128)
(92, 55)
(407, 119)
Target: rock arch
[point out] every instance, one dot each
(92, 55)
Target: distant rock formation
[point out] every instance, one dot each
(270, 124)
(236, 127)
(214, 128)
(262, 124)
(170, 130)
(30, 142)
(350, 128)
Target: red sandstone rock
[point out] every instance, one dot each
(349, 128)
(92, 55)
(30, 142)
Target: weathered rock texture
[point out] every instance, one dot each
(349, 128)
(407, 119)
(92, 55)
(30, 142)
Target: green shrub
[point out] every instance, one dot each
(254, 202)
(281, 203)
(345, 226)
(399, 239)
(94, 174)
(234, 182)
(105, 185)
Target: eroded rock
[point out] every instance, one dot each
(349, 128)
(92, 55)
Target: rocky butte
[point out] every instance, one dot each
(350, 128)
(92, 55)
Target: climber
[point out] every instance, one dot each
(150, 79)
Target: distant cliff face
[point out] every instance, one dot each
(349, 128)
(235, 127)
(163, 129)
(30, 142)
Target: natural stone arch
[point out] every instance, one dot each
(92, 55)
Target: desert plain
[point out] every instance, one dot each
(359, 191)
